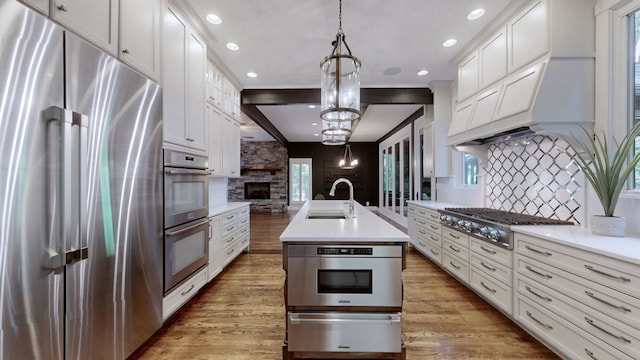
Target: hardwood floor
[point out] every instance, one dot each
(241, 314)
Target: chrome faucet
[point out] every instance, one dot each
(333, 193)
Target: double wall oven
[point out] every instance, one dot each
(344, 298)
(186, 207)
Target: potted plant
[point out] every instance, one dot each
(607, 170)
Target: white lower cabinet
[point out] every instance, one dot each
(234, 234)
(425, 232)
(181, 294)
(583, 304)
(215, 248)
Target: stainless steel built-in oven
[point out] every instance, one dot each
(321, 277)
(186, 187)
(186, 249)
(186, 207)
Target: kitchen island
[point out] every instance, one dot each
(343, 289)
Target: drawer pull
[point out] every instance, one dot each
(422, 212)
(538, 273)
(433, 252)
(188, 290)
(454, 249)
(547, 299)
(590, 354)
(422, 232)
(422, 222)
(434, 238)
(230, 252)
(422, 244)
(433, 227)
(454, 236)
(487, 266)
(487, 250)
(549, 327)
(230, 217)
(545, 253)
(454, 265)
(435, 217)
(621, 278)
(619, 337)
(619, 307)
(493, 291)
(230, 228)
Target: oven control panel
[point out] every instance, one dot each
(344, 251)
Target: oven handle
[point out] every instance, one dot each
(312, 319)
(176, 232)
(186, 172)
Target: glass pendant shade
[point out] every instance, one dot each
(340, 87)
(333, 139)
(341, 128)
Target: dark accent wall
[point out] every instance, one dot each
(325, 160)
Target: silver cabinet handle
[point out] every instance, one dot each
(186, 172)
(176, 232)
(188, 290)
(493, 291)
(434, 238)
(590, 354)
(62, 8)
(422, 244)
(619, 307)
(621, 278)
(422, 232)
(454, 249)
(125, 51)
(433, 227)
(549, 327)
(454, 235)
(433, 252)
(538, 273)
(422, 222)
(487, 266)
(545, 253)
(454, 265)
(619, 337)
(547, 299)
(487, 250)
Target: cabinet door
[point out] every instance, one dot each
(529, 35)
(428, 151)
(196, 123)
(140, 36)
(215, 140)
(519, 91)
(215, 248)
(493, 59)
(95, 20)
(231, 148)
(468, 77)
(40, 5)
(173, 77)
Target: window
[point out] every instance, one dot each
(299, 181)
(634, 35)
(469, 169)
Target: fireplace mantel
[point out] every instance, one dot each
(271, 170)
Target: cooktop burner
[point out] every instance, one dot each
(491, 225)
(507, 217)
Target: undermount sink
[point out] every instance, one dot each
(326, 214)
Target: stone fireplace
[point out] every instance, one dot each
(257, 190)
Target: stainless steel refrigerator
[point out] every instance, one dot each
(80, 196)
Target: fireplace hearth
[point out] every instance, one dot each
(257, 190)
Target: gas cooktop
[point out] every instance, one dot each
(491, 225)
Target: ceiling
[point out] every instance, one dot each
(283, 42)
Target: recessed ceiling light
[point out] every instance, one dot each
(314, 124)
(423, 72)
(449, 42)
(214, 19)
(233, 46)
(252, 74)
(476, 14)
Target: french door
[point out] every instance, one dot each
(396, 175)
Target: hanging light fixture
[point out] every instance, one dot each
(328, 139)
(336, 128)
(348, 162)
(340, 91)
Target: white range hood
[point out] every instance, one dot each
(554, 96)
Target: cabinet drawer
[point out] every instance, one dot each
(492, 269)
(243, 212)
(432, 251)
(429, 236)
(496, 292)
(495, 253)
(244, 241)
(616, 274)
(229, 217)
(455, 249)
(181, 294)
(429, 225)
(572, 342)
(618, 305)
(457, 267)
(456, 236)
(230, 253)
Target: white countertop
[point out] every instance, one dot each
(219, 209)
(433, 204)
(621, 248)
(365, 227)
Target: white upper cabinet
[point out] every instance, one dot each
(231, 147)
(528, 35)
(215, 119)
(231, 99)
(214, 81)
(493, 59)
(40, 5)
(468, 76)
(183, 80)
(95, 20)
(140, 36)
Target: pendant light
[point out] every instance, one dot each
(340, 85)
(328, 139)
(336, 128)
(348, 162)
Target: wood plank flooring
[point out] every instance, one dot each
(241, 315)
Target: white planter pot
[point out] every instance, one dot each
(608, 225)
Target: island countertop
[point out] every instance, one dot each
(365, 227)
